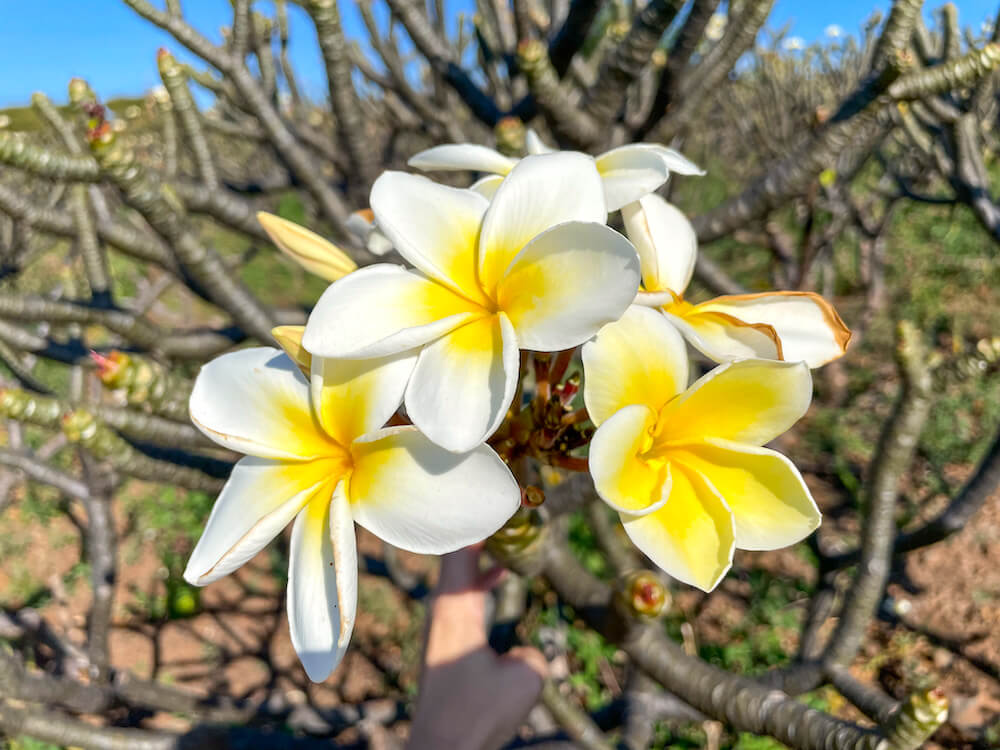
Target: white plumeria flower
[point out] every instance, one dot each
(627, 172)
(535, 269)
(316, 455)
(683, 465)
(791, 326)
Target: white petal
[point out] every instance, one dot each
(433, 226)
(623, 478)
(381, 310)
(674, 160)
(355, 396)
(322, 584)
(256, 401)
(261, 498)
(567, 283)
(539, 193)
(487, 186)
(806, 324)
(723, 338)
(630, 172)
(465, 156)
(463, 383)
(640, 359)
(535, 145)
(666, 242)
(422, 498)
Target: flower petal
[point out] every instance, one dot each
(665, 241)
(691, 536)
(808, 326)
(308, 249)
(462, 156)
(256, 401)
(433, 226)
(261, 498)
(487, 186)
(749, 401)
(630, 172)
(539, 193)
(675, 161)
(383, 309)
(722, 337)
(463, 383)
(771, 505)
(623, 478)
(355, 396)
(362, 225)
(640, 359)
(423, 498)
(322, 596)
(567, 283)
(535, 145)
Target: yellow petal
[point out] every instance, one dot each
(807, 325)
(749, 401)
(623, 477)
(308, 249)
(353, 397)
(289, 338)
(722, 337)
(639, 359)
(691, 536)
(771, 505)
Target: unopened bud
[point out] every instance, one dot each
(532, 497)
(289, 338)
(308, 249)
(642, 593)
(521, 531)
(509, 133)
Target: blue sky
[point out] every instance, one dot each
(44, 43)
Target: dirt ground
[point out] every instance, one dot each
(945, 630)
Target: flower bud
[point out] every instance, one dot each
(306, 248)
(641, 593)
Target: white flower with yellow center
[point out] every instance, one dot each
(316, 455)
(792, 326)
(683, 466)
(627, 172)
(536, 268)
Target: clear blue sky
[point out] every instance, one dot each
(44, 43)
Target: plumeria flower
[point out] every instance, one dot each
(627, 172)
(316, 456)
(535, 269)
(774, 325)
(683, 466)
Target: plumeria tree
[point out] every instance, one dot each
(532, 329)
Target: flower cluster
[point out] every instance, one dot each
(523, 260)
